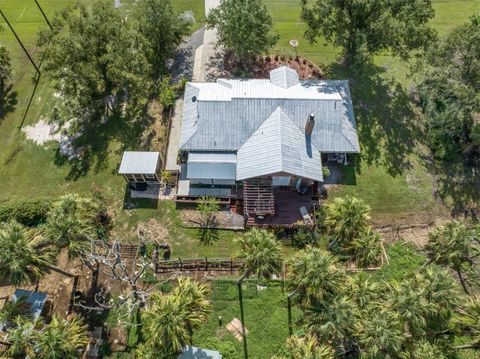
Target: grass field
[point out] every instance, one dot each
(266, 319)
(389, 174)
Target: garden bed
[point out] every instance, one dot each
(260, 66)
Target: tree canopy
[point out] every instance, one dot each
(244, 27)
(59, 339)
(5, 66)
(5, 73)
(92, 55)
(170, 320)
(261, 254)
(22, 260)
(449, 87)
(163, 29)
(364, 28)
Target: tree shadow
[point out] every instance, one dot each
(89, 146)
(457, 185)
(385, 117)
(8, 101)
(132, 203)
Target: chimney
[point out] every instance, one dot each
(309, 125)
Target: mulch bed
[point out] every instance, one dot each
(260, 66)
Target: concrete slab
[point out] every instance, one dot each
(174, 140)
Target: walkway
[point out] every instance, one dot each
(182, 64)
(174, 139)
(207, 51)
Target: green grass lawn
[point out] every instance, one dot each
(390, 174)
(266, 320)
(28, 170)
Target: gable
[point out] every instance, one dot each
(278, 146)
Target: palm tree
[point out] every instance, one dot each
(367, 248)
(455, 246)
(362, 291)
(164, 325)
(193, 297)
(379, 335)
(468, 321)
(21, 340)
(412, 306)
(61, 339)
(332, 321)
(440, 291)
(426, 350)
(261, 254)
(346, 218)
(21, 259)
(72, 223)
(314, 276)
(169, 320)
(307, 347)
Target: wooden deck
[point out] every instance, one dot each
(287, 209)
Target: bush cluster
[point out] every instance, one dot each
(27, 212)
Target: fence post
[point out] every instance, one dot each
(181, 264)
(231, 265)
(206, 264)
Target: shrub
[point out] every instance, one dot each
(27, 212)
(227, 349)
(306, 236)
(326, 172)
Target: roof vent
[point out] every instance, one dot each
(284, 77)
(309, 125)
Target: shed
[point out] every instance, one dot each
(198, 353)
(140, 166)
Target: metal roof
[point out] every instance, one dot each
(284, 77)
(138, 162)
(278, 146)
(206, 165)
(198, 353)
(222, 116)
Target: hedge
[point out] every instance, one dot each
(27, 212)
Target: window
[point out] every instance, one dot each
(151, 177)
(138, 178)
(130, 178)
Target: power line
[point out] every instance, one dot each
(20, 42)
(44, 15)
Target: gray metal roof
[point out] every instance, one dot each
(222, 116)
(278, 146)
(284, 77)
(198, 353)
(138, 162)
(206, 165)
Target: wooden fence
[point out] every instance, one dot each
(197, 264)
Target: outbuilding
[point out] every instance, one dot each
(140, 167)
